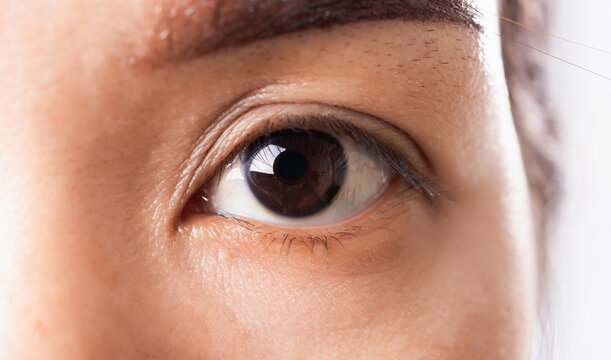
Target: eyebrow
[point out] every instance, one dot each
(189, 29)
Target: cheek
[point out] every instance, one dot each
(486, 274)
(429, 282)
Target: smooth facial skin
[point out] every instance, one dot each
(102, 150)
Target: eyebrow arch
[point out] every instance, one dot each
(184, 30)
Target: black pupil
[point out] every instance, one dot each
(295, 173)
(291, 165)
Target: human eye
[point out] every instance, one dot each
(310, 167)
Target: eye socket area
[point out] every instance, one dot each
(299, 178)
(385, 155)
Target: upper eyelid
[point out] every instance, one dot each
(197, 168)
(370, 143)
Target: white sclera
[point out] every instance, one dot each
(366, 180)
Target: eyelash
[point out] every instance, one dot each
(374, 146)
(326, 239)
(368, 142)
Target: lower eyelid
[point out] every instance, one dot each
(392, 206)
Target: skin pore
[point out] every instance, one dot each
(104, 146)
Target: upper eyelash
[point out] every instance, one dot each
(379, 149)
(368, 142)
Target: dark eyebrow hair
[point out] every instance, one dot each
(185, 30)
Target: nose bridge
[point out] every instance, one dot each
(69, 234)
(73, 239)
(52, 291)
(77, 278)
(57, 263)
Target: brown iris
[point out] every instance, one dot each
(296, 172)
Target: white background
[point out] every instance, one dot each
(581, 250)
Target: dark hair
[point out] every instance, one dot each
(534, 121)
(537, 132)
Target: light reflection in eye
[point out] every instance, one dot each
(262, 165)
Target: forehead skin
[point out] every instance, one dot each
(100, 150)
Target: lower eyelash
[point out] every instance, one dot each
(311, 241)
(325, 240)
